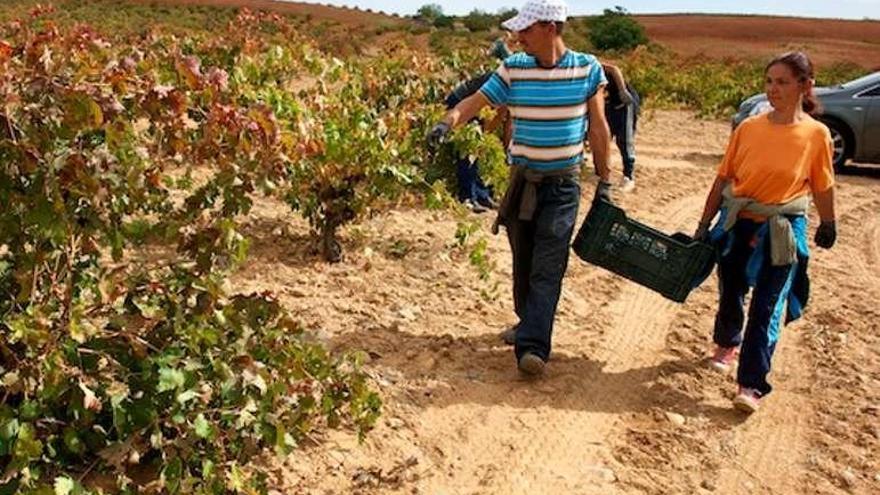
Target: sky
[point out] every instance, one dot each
(846, 9)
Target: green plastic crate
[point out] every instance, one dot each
(666, 264)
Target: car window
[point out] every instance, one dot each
(862, 80)
(870, 78)
(871, 93)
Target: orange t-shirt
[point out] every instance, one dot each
(776, 163)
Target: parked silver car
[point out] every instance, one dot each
(850, 110)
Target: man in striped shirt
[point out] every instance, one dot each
(548, 90)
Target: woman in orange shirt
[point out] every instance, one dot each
(773, 163)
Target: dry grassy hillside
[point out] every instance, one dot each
(317, 11)
(716, 36)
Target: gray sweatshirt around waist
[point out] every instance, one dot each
(521, 198)
(783, 246)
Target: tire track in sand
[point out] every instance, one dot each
(770, 447)
(552, 435)
(624, 364)
(864, 220)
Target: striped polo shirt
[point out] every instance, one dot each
(548, 106)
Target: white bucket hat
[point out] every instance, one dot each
(536, 11)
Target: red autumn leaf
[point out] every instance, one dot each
(190, 69)
(5, 51)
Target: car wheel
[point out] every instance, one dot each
(840, 137)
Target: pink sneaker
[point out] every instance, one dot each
(723, 358)
(748, 400)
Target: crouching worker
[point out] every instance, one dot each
(472, 191)
(547, 90)
(773, 163)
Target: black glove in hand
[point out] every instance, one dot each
(826, 234)
(603, 191)
(437, 135)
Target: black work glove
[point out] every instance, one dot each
(603, 191)
(826, 234)
(702, 232)
(437, 135)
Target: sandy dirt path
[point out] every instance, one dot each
(627, 404)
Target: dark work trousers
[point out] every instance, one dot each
(540, 250)
(470, 185)
(765, 311)
(621, 121)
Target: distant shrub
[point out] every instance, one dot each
(430, 12)
(479, 20)
(616, 30)
(444, 22)
(505, 13)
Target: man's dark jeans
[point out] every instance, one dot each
(540, 256)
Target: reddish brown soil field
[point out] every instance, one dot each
(826, 40)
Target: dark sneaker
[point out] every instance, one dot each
(475, 207)
(531, 365)
(509, 336)
(489, 203)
